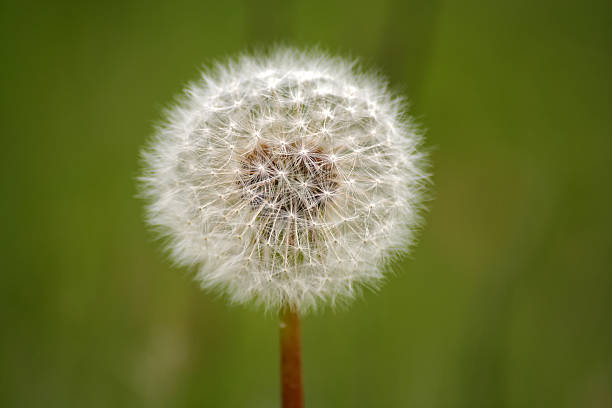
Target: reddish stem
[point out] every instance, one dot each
(291, 359)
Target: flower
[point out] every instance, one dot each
(288, 179)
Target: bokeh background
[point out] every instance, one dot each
(506, 302)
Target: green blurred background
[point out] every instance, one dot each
(506, 301)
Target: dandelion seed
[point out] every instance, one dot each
(293, 191)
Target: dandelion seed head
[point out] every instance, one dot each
(287, 179)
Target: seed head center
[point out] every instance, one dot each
(288, 181)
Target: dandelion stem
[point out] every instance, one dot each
(291, 359)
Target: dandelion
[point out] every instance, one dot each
(288, 180)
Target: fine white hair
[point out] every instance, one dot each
(288, 178)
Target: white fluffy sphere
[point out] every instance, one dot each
(289, 179)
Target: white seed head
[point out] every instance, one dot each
(289, 179)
